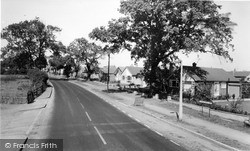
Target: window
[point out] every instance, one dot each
(123, 77)
(129, 78)
(174, 83)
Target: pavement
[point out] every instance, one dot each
(17, 121)
(196, 125)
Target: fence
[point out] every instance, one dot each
(35, 92)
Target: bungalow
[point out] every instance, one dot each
(131, 75)
(222, 83)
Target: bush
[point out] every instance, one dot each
(37, 77)
(39, 83)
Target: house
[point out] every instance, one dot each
(104, 73)
(132, 75)
(118, 74)
(247, 79)
(242, 75)
(222, 83)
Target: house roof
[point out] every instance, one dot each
(112, 69)
(121, 68)
(134, 70)
(215, 74)
(241, 73)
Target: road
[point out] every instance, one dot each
(86, 122)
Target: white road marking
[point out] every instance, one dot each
(174, 142)
(130, 115)
(137, 120)
(88, 116)
(78, 100)
(103, 140)
(147, 126)
(82, 105)
(159, 133)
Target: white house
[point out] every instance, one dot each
(118, 74)
(131, 75)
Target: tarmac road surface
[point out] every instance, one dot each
(86, 122)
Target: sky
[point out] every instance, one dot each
(77, 18)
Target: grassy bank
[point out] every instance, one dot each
(14, 89)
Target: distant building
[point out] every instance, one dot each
(104, 73)
(132, 75)
(242, 75)
(118, 74)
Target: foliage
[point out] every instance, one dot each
(111, 36)
(245, 90)
(37, 77)
(87, 53)
(203, 92)
(69, 64)
(18, 64)
(57, 62)
(29, 37)
(157, 30)
(234, 105)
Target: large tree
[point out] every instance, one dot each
(158, 29)
(86, 53)
(32, 37)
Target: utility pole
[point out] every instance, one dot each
(180, 98)
(108, 71)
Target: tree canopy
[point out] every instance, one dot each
(157, 29)
(32, 37)
(86, 53)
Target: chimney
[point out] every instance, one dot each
(194, 65)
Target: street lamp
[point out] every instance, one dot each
(180, 96)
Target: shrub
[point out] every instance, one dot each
(39, 83)
(37, 77)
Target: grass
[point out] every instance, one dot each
(213, 118)
(14, 89)
(245, 105)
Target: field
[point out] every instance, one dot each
(14, 89)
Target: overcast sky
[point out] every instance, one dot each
(77, 18)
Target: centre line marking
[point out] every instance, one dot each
(82, 105)
(88, 116)
(103, 140)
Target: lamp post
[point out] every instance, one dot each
(180, 96)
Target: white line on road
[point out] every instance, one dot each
(82, 105)
(103, 140)
(175, 143)
(159, 133)
(88, 116)
(137, 120)
(78, 100)
(147, 126)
